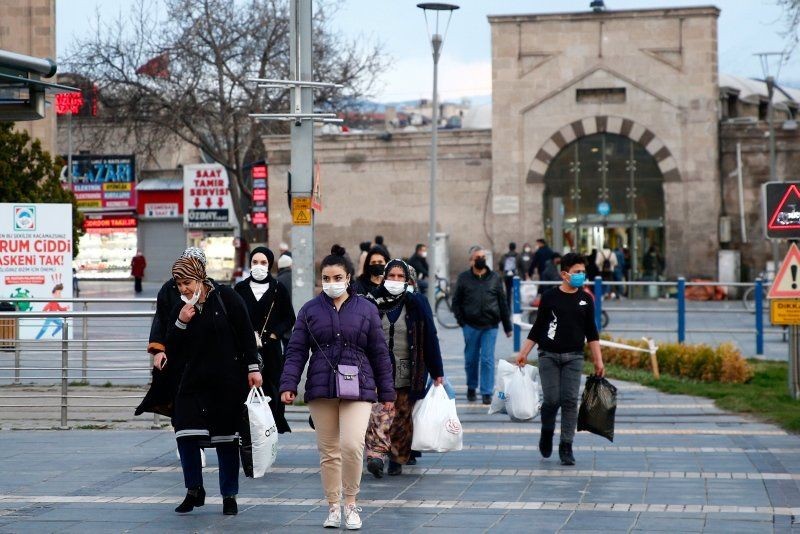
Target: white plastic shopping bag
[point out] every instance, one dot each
(263, 432)
(436, 424)
(504, 371)
(522, 394)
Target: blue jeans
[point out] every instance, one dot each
(228, 457)
(479, 354)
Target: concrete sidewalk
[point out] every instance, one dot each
(677, 464)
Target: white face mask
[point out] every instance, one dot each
(424, 253)
(259, 272)
(334, 289)
(394, 287)
(192, 301)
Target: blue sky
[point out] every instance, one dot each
(745, 27)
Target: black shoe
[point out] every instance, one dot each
(565, 453)
(415, 454)
(471, 397)
(375, 466)
(411, 460)
(194, 498)
(311, 423)
(229, 506)
(546, 443)
(487, 399)
(395, 469)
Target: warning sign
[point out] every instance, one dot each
(784, 311)
(782, 210)
(301, 211)
(787, 283)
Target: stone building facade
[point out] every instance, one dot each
(29, 27)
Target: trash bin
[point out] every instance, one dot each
(8, 327)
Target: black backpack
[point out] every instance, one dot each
(607, 263)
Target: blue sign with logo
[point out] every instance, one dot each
(604, 208)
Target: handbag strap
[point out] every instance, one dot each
(325, 355)
(269, 313)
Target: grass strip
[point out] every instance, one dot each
(765, 396)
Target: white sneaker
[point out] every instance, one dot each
(351, 518)
(334, 517)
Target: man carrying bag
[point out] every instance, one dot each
(565, 322)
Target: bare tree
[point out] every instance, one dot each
(184, 74)
(792, 10)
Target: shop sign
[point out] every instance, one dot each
(102, 181)
(259, 211)
(35, 259)
(109, 223)
(206, 197)
(161, 209)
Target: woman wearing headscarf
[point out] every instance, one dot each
(374, 263)
(272, 316)
(410, 332)
(349, 370)
(211, 339)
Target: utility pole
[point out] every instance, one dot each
(302, 154)
(302, 117)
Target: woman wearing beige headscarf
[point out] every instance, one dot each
(211, 338)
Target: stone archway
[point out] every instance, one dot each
(603, 124)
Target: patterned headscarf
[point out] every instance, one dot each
(189, 267)
(195, 252)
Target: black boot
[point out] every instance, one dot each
(487, 399)
(471, 397)
(229, 506)
(194, 498)
(375, 466)
(565, 453)
(395, 469)
(546, 443)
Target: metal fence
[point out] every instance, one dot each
(93, 348)
(676, 308)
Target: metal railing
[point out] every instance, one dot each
(111, 348)
(678, 311)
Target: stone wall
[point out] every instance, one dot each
(666, 61)
(371, 186)
(755, 171)
(29, 27)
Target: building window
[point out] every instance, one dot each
(608, 95)
(733, 106)
(763, 110)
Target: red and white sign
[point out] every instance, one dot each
(161, 209)
(206, 197)
(787, 283)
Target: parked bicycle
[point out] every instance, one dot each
(749, 296)
(444, 304)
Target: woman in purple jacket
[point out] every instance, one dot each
(339, 328)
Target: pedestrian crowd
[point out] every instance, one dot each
(369, 348)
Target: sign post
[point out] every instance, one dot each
(784, 309)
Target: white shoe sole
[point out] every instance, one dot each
(354, 527)
(332, 524)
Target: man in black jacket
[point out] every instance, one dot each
(419, 261)
(479, 304)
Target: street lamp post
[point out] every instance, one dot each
(437, 40)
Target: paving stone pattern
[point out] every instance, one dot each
(677, 464)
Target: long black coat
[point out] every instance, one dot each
(281, 322)
(216, 350)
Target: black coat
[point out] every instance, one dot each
(281, 322)
(216, 350)
(480, 301)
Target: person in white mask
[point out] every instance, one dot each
(349, 369)
(272, 315)
(410, 332)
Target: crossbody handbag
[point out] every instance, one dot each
(260, 335)
(348, 377)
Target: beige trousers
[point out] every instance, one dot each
(340, 428)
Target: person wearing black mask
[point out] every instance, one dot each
(372, 275)
(479, 304)
(270, 308)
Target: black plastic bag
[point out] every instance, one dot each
(598, 407)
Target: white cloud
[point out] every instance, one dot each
(412, 78)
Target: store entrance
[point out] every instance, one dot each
(219, 250)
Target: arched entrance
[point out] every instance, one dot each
(613, 196)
